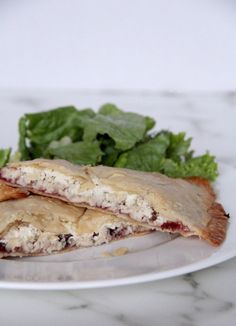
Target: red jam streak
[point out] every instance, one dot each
(174, 226)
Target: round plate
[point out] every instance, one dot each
(150, 257)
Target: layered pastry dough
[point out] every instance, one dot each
(7, 192)
(39, 225)
(180, 206)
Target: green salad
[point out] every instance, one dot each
(110, 137)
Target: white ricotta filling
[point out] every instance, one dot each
(46, 180)
(118, 202)
(52, 182)
(27, 239)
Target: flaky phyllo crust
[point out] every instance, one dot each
(184, 206)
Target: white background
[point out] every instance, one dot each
(156, 45)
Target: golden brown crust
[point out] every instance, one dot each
(203, 183)
(8, 192)
(215, 231)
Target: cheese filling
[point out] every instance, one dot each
(27, 239)
(55, 183)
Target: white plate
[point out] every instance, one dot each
(150, 257)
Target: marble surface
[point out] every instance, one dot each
(206, 297)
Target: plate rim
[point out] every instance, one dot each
(131, 280)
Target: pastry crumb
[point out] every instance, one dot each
(117, 252)
(120, 251)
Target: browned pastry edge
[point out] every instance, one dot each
(8, 192)
(215, 231)
(203, 183)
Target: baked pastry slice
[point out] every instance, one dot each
(172, 205)
(7, 192)
(39, 225)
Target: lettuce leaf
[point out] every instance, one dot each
(110, 137)
(80, 153)
(4, 156)
(112, 109)
(148, 156)
(200, 166)
(124, 128)
(22, 147)
(44, 127)
(40, 129)
(110, 153)
(179, 147)
(170, 154)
